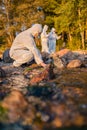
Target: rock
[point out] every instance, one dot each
(67, 55)
(0, 59)
(78, 120)
(2, 73)
(81, 52)
(57, 122)
(15, 104)
(45, 55)
(74, 64)
(45, 117)
(56, 103)
(58, 63)
(81, 57)
(15, 77)
(6, 57)
(46, 75)
(63, 52)
(18, 81)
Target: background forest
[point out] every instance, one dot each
(69, 17)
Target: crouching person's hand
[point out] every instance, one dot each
(43, 64)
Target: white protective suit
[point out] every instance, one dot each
(44, 39)
(24, 49)
(52, 40)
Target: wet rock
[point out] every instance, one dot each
(2, 73)
(58, 63)
(64, 116)
(64, 61)
(29, 115)
(53, 103)
(57, 122)
(46, 75)
(18, 80)
(3, 92)
(78, 120)
(15, 104)
(45, 56)
(74, 64)
(6, 57)
(45, 117)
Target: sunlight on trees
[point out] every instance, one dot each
(69, 17)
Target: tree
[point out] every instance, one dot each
(17, 16)
(49, 7)
(71, 18)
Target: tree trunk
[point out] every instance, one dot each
(9, 34)
(81, 31)
(86, 31)
(83, 40)
(86, 34)
(70, 37)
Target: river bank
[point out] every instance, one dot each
(50, 104)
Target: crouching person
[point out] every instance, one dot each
(24, 49)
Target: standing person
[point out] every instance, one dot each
(44, 39)
(52, 40)
(24, 49)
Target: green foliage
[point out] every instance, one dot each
(68, 16)
(17, 16)
(49, 21)
(75, 44)
(59, 45)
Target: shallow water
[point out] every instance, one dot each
(65, 100)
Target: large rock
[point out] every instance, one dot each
(6, 57)
(67, 56)
(64, 52)
(45, 75)
(74, 64)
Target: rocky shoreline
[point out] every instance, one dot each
(32, 99)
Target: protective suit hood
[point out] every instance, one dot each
(36, 28)
(45, 28)
(53, 30)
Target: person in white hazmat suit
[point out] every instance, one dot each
(52, 40)
(24, 49)
(44, 39)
